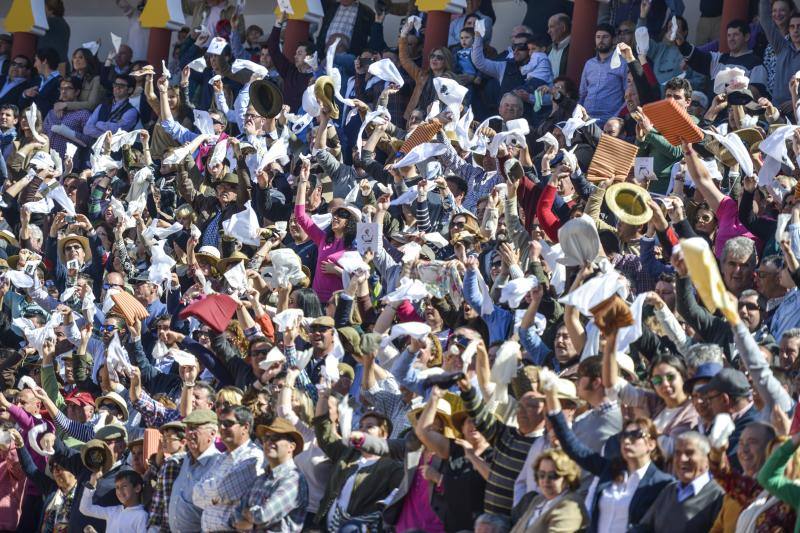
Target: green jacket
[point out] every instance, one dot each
(373, 483)
(772, 479)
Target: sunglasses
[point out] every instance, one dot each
(319, 329)
(19, 65)
(552, 476)
(342, 213)
(497, 264)
(458, 225)
(260, 353)
(658, 380)
(107, 286)
(635, 434)
(750, 306)
(520, 46)
(704, 218)
(108, 328)
(71, 247)
(440, 57)
(227, 424)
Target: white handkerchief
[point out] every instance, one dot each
(642, 40)
(123, 138)
(41, 161)
(44, 206)
(352, 262)
(164, 70)
(155, 231)
(549, 139)
(30, 114)
(214, 79)
(243, 226)
(286, 266)
(520, 125)
(287, 318)
(161, 264)
(673, 32)
(780, 229)
(236, 276)
(387, 71)
(450, 92)
(594, 292)
(286, 7)
(312, 61)
(19, 279)
(436, 239)
(406, 198)
(273, 356)
(92, 46)
(775, 145)
(417, 330)
(737, 149)
(516, 289)
(219, 153)
(322, 221)
(59, 195)
(198, 65)
(416, 22)
(217, 45)
(310, 103)
(70, 150)
(616, 59)
(255, 68)
(202, 119)
(116, 40)
(413, 290)
(421, 152)
(410, 251)
(182, 358)
(721, 430)
(379, 116)
(480, 27)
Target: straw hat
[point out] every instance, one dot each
(96, 456)
(629, 203)
(324, 91)
(83, 241)
(443, 413)
(227, 262)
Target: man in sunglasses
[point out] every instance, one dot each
(18, 81)
(321, 337)
(507, 73)
(119, 114)
(234, 472)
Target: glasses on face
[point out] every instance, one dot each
(764, 274)
(73, 247)
(260, 353)
(107, 286)
(162, 327)
(120, 85)
(710, 397)
(108, 328)
(750, 306)
(440, 57)
(659, 380)
(251, 116)
(552, 476)
(704, 219)
(519, 47)
(19, 64)
(497, 264)
(319, 329)
(458, 225)
(634, 434)
(227, 424)
(624, 32)
(344, 214)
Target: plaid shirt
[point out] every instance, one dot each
(154, 413)
(75, 120)
(344, 21)
(226, 484)
(159, 505)
(277, 500)
(479, 182)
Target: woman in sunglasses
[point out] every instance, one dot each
(666, 402)
(558, 506)
(332, 242)
(627, 485)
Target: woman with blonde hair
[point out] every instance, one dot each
(558, 507)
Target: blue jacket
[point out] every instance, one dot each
(500, 321)
(653, 482)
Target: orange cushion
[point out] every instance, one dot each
(129, 307)
(421, 134)
(673, 122)
(613, 159)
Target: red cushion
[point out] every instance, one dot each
(215, 310)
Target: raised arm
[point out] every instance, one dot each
(702, 179)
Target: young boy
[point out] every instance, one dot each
(464, 53)
(538, 71)
(130, 517)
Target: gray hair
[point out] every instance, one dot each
(499, 523)
(701, 440)
(35, 232)
(791, 334)
(740, 247)
(699, 354)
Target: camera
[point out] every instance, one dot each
(70, 219)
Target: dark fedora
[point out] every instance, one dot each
(266, 98)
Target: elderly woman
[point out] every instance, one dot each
(558, 507)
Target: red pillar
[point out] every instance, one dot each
(297, 31)
(158, 46)
(24, 43)
(437, 27)
(581, 45)
(731, 10)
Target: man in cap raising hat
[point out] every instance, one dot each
(279, 497)
(223, 486)
(201, 431)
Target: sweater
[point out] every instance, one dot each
(294, 81)
(771, 477)
(324, 284)
(695, 514)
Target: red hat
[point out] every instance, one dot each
(215, 310)
(79, 398)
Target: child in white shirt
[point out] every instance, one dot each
(131, 516)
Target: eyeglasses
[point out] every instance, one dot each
(519, 46)
(227, 424)
(762, 274)
(458, 225)
(750, 306)
(19, 64)
(251, 116)
(710, 397)
(108, 328)
(704, 218)
(342, 213)
(498, 264)
(71, 247)
(634, 434)
(552, 476)
(320, 329)
(440, 57)
(107, 286)
(120, 85)
(658, 380)
(260, 353)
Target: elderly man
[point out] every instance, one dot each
(602, 88)
(173, 446)
(118, 64)
(789, 348)
(691, 503)
(559, 27)
(729, 392)
(149, 295)
(278, 499)
(224, 485)
(201, 431)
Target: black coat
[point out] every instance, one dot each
(46, 98)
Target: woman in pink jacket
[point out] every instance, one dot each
(12, 484)
(331, 243)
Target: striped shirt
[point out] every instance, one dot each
(511, 450)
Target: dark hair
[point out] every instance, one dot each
(458, 182)
(740, 25)
(257, 340)
(350, 230)
(677, 84)
(667, 277)
(26, 58)
(309, 46)
(591, 367)
(56, 6)
(569, 86)
(92, 63)
(75, 81)
(608, 28)
(469, 31)
(14, 109)
(206, 387)
(539, 40)
(671, 360)
(49, 56)
(242, 414)
(129, 81)
(308, 301)
(132, 476)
